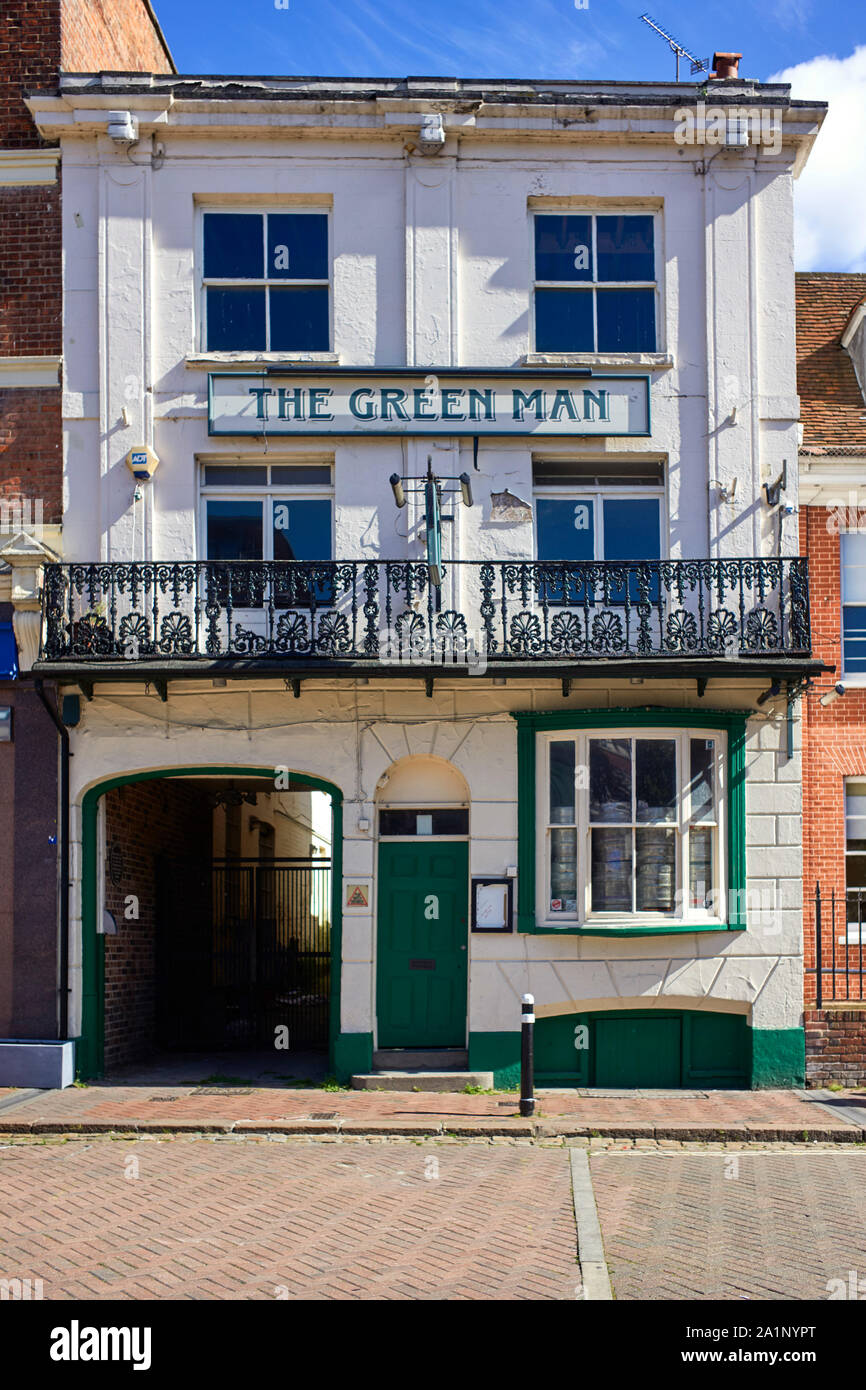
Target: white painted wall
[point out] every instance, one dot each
(432, 266)
(353, 736)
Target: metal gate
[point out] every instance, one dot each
(243, 949)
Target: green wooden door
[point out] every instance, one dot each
(631, 1052)
(423, 903)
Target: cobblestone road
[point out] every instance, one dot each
(728, 1225)
(253, 1219)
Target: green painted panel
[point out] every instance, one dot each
(778, 1057)
(353, 1054)
(716, 1049)
(496, 1052)
(642, 1048)
(421, 964)
(637, 1051)
(562, 1050)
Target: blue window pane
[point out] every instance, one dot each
(565, 529)
(631, 528)
(563, 320)
(236, 320)
(297, 246)
(302, 531)
(626, 320)
(563, 248)
(565, 532)
(233, 246)
(625, 248)
(234, 530)
(299, 320)
(854, 639)
(632, 532)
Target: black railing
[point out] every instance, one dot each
(838, 931)
(349, 611)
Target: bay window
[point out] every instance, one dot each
(630, 827)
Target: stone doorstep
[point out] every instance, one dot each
(422, 1080)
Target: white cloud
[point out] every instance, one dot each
(830, 195)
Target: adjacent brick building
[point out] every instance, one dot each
(39, 39)
(832, 385)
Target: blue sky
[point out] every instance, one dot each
(817, 45)
(498, 38)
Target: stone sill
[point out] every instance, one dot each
(248, 361)
(604, 361)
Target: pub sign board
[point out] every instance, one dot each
(407, 401)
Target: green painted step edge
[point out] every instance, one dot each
(496, 1052)
(353, 1054)
(778, 1057)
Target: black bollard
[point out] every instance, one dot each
(527, 1056)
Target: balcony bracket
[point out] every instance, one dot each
(702, 685)
(296, 687)
(428, 686)
(86, 688)
(161, 687)
(566, 687)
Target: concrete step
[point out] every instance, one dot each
(422, 1080)
(421, 1059)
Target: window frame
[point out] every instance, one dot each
(593, 286)
(732, 722)
(585, 915)
(265, 493)
(853, 930)
(266, 283)
(850, 677)
(597, 494)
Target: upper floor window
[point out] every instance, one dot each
(266, 282)
(853, 558)
(595, 282)
(269, 512)
(597, 512)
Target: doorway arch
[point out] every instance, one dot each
(90, 1050)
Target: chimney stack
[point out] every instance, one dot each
(725, 65)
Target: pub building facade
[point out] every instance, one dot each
(430, 625)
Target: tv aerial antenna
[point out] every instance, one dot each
(697, 64)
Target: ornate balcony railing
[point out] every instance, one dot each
(347, 612)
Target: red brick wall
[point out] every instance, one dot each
(110, 36)
(29, 61)
(836, 1046)
(834, 738)
(31, 305)
(31, 452)
(145, 819)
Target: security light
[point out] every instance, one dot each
(466, 489)
(397, 488)
(123, 127)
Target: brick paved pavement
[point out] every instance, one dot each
(782, 1225)
(234, 1218)
(735, 1114)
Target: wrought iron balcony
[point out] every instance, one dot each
(360, 613)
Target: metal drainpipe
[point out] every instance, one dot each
(65, 755)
